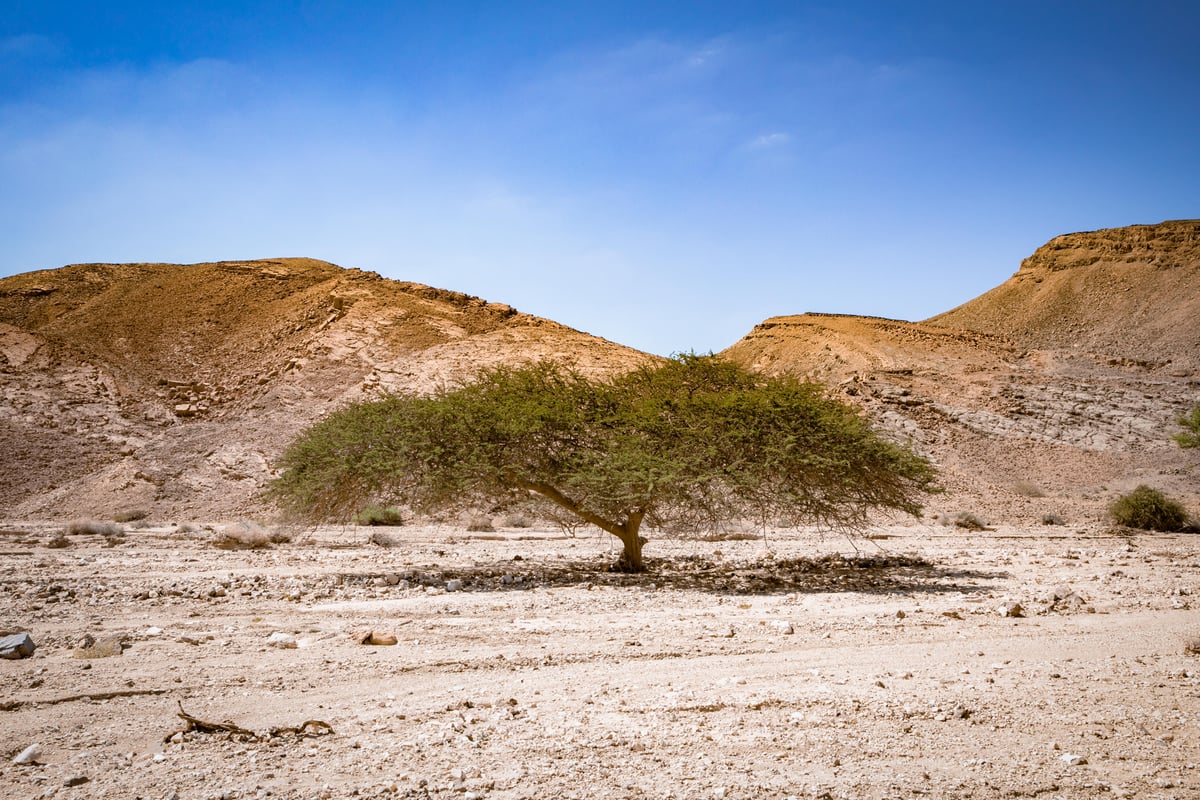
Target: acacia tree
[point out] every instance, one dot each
(688, 443)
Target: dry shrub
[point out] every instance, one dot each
(59, 540)
(480, 525)
(242, 536)
(130, 515)
(1028, 489)
(1052, 519)
(84, 527)
(1191, 645)
(188, 527)
(107, 647)
(379, 515)
(728, 536)
(381, 539)
(970, 522)
(517, 521)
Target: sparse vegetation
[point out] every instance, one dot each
(1148, 509)
(684, 445)
(481, 525)
(130, 515)
(1028, 489)
(1191, 645)
(1052, 519)
(91, 527)
(247, 535)
(970, 522)
(59, 540)
(1190, 422)
(379, 515)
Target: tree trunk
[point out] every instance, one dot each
(631, 555)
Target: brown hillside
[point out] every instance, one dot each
(1129, 294)
(172, 387)
(1046, 395)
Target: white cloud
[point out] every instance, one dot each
(767, 141)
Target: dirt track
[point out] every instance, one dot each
(545, 676)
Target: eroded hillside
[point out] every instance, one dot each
(171, 388)
(1045, 396)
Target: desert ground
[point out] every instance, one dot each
(924, 661)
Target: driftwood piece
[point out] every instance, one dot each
(312, 727)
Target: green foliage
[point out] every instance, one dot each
(1190, 437)
(1148, 509)
(682, 445)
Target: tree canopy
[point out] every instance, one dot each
(686, 444)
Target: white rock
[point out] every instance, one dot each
(783, 626)
(284, 641)
(454, 585)
(1072, 759)
(29, 755)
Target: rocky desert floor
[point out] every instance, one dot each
(1048, 662)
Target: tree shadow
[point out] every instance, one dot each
(877, 573)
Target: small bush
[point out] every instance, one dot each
(242, 536)
(188, 527)
(480, 525)
(1052, 519)
(130, 515)
(517, 521)
(1190, 437)
(380, 539)
(1191, 645)
(84, 527)
(59, 540)
(1148, 510)
(379, 515)
(1027, 489)
(970, 522)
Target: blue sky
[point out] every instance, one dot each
(665, 175)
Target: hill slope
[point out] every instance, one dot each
(171, 388)
(1046, 395)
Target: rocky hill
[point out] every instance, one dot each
(1045, 396)
(170, 388)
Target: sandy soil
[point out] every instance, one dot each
(739, 669)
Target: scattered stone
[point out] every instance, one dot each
(454, 585)
(1011, 609)
(1072, 759)
(391, 579)
(282, 640)
(75, 780)
(783, 626)
(29, 755)
(373, 637)
(900, 614)
(18, 645)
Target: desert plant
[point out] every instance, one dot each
(481, 525)
(85, 527)
(687, 443)
(1191, 645)
(1028, 489)
(379, 515)
(59, 540)
(243, 535)
(1052, 519)
(130, 515)
(1190, 422)
(518, 521)
(1148, 509)
(969, 521)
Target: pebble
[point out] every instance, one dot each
(783, 626)
(1072, 759)
(76, 780)
(284, 641)
(29, 755)
(454, 585)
